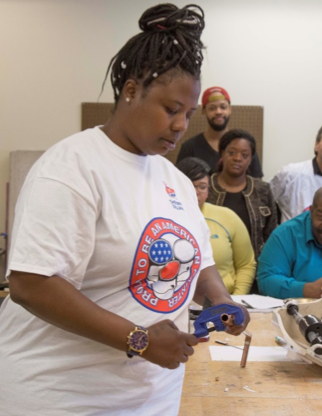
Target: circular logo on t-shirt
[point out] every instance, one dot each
(166, 261)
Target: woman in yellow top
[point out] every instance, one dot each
(230, 241)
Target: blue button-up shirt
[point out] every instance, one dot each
(290, 258)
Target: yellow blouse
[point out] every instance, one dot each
(231, 247)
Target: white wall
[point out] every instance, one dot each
(269, 53)
(54, 53)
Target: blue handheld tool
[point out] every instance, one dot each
(217, 315)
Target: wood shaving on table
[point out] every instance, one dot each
(248, 389)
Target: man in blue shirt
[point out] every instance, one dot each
(290, 265)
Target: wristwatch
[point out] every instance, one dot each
(137, 341)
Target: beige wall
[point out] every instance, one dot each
(54, 54)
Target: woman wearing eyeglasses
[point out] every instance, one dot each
(230, 241)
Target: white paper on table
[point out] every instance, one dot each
(229, 353)
(258, 301)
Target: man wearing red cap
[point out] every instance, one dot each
(217, 109)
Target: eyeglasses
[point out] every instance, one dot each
(202, 187)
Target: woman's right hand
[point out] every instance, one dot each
(168, 347)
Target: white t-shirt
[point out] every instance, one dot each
(127, 231)
(293, 188)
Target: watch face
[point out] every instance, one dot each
(138, 340)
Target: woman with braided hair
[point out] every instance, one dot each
(109, 246)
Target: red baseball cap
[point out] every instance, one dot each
(206, 95)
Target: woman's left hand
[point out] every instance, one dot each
(231, 327)
(210, 285)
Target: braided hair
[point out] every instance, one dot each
(170, 39)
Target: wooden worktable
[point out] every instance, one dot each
(281, 388)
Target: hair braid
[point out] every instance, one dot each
(170, 38)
